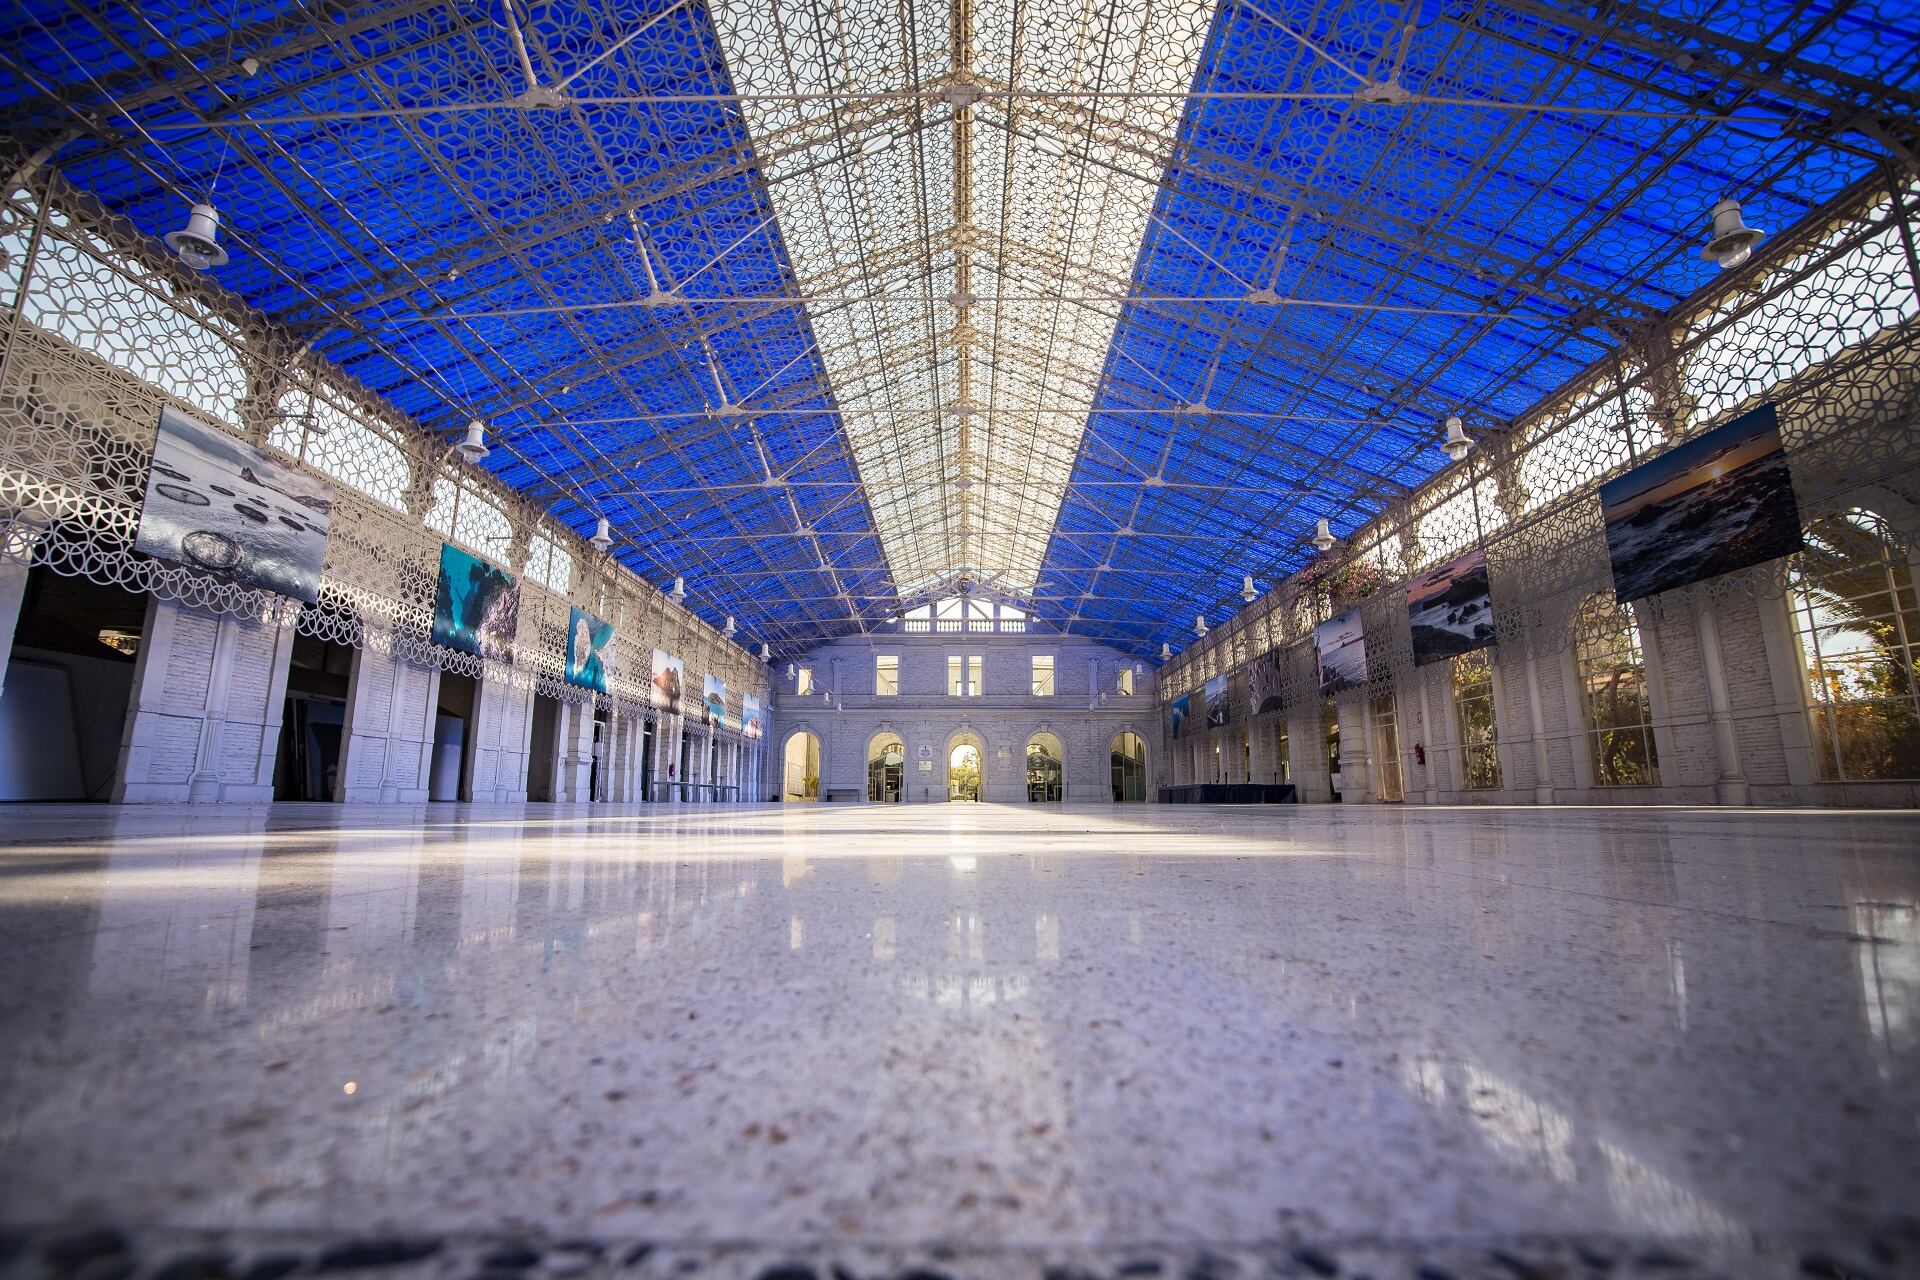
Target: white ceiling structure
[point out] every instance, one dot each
(834, 306)
(964, 254)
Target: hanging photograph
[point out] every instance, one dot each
(1340, 647)
(1263, 683)
(669, 681)
(751, 724)
(1218, 709)
(220, 505)
(589, 650)
(1181, 709)
(1721, 502)
(476, 608)
(1450, 609)
(715, 710)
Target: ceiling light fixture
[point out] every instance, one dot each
(1731, 240)
(1166, 652)
(198, 243)
(1199, 625)
(1247, 591)
(602, 539)
(729, 629)
(1458, 443)
(1322, 535)
(474, 447)
(766, 653)
(678, 594)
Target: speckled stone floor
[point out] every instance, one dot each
(963, 1040)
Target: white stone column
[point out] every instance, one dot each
(1430, 740)
(16, 558)
(1542, 767)
(208, 695)
(1731, 786)
(573, 740)
(1356, 749)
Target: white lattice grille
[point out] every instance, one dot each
(963, 255)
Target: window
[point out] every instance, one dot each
(1043, 675)
(464, 514)
(134, 317)
(1613, 680)
(803, 681)
(1125, 683)
(886, 675)
(548, 562)
(1858, 620)
(1473, 711)
(344, 446)
(1388, 786)
(963, 676)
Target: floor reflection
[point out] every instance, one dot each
(1043, 1025)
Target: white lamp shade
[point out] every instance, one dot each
(474, 447)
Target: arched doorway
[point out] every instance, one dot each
(965, 760)
(886, 768)
(800, 775)
(1046, 772)
(1129, 768)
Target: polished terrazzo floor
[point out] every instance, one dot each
(1017, 1027)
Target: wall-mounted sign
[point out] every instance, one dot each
(1450, 609)
(589, 649)
(1720, 502)
(220, 505)
(476, 606)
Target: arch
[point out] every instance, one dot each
(966, 780)
(800, 767)
(1127, 767)
(1857, 630)
(1046, 769)
(886, 767)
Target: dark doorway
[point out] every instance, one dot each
(452, 739)
(307, 766)
(69, 681)
(602, 740)
(543, 747)
(646, 760)
(1330, 726)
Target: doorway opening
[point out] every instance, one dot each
(801, 783)
(886, 768)
(597, 777)
(452, 738)
(307, 766)
(1388, 788)
(1046, 770)
(1330, 729)
(543, 748)
(69, 681)
(646, 760)
(963, 772)
(1128, 757)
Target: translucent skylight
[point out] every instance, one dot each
(960, 257)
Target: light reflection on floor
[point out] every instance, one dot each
(970, 1022)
